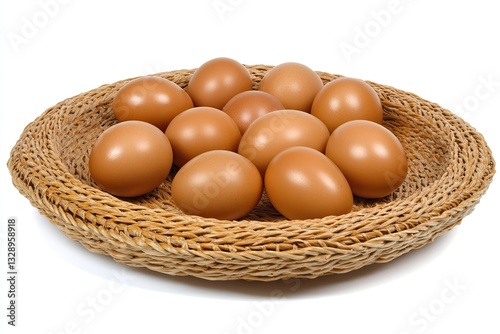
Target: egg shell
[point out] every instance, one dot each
(294, 84)
(130, 159)
(217, 184)
(302, 183)
(201, 129)
(150, 99)
(216, 81)
(370, 156)
(347, 99)
(247, 106)
(276, 131)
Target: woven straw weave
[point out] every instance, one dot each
(450, 168)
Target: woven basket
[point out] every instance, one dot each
(450, 168)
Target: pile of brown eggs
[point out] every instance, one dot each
(311, 146)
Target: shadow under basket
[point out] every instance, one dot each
(450, 168)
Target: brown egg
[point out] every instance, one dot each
(130, 159)
(370, 156)
(346, 99)
(215, 82)
(247, 106)
(302, 183)
(294, 84)
(274, 132)
(201, 129)
(217, 184)
(150, 99)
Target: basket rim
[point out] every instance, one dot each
(74, 180)
(461, 200)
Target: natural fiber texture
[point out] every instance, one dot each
(450, 168)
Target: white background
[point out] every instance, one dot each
(445, 52)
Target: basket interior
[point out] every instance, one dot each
(426, 148)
